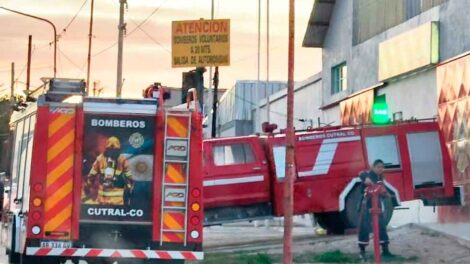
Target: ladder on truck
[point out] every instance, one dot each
(175, 180)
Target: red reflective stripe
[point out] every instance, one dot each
(94, 252)
(163, 254)
(188, 255)
(43, 251)
(139, 254)
(116, 254)
(69, 252)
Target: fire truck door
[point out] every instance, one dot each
(236, 173)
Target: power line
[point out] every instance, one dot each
(150, 37)
(132, 31)
(70, 60)
(73, 19)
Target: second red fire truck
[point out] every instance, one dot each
(244, 176)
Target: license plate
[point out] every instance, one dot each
(56, 244)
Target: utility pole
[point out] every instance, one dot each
(257, 117)
(122, 29)
(47, 21)
(90, 36)
(12, 86)
(214, 103)
(28, 67)
(290, 138)
(211, 93)
(268, 110)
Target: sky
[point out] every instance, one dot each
(147, 50)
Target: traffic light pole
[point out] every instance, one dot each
(45, 20)
(290, 138)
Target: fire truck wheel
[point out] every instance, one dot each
(350, 214)
(331, 221)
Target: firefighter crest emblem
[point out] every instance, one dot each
(136, 140)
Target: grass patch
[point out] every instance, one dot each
(335, 256)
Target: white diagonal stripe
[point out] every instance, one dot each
(151, 254)
(326, 155)
(175, 254)
(31, 250)
(106, 252)
(247, 179)
(198, 254)
(56, 252)
(125, 253)
(81, 252)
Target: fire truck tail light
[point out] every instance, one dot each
(36, 230)
(37, 202)
(194, 234)
(36, 215)
(195, 220)
(195, 207)
(196, 192)
(37, 187)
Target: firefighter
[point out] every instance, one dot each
(368, 178)
(153, 91)
(110, 173)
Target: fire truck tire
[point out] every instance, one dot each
(350, 214)
(331, 221)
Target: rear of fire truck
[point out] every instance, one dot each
(112, 179)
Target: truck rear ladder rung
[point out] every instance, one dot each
(175, 161)
(174, 231)
(174, 208)
(176, 184)
(177, 138)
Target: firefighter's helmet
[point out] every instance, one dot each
(113, 142)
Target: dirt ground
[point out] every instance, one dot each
(412, 244)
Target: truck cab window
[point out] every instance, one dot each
(426, 159)
(239, 153)
(384, 148)
(279, 153)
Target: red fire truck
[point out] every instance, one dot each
(103, 180)
(244, 176)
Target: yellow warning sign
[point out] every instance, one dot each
(198, 43)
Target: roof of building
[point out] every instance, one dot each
(318, 23)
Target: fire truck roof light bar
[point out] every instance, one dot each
(116, 108)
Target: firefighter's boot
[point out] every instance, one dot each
(362, 253)
(386, 252)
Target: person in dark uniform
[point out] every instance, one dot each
(368, 178)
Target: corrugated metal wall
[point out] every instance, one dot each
(238, 102)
